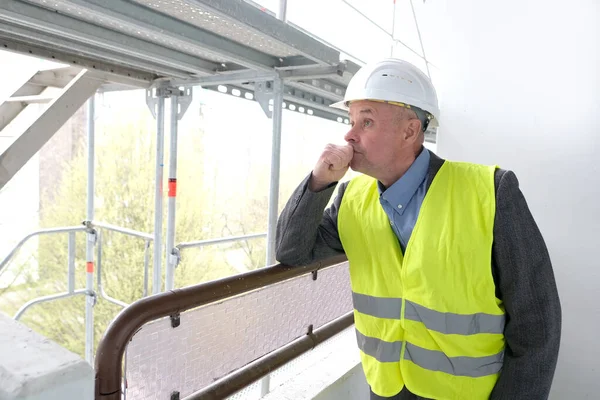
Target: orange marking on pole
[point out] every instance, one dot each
(172, 187)
(90, 267)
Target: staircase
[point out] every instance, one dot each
(42, 101)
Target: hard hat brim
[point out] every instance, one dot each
(340, 105)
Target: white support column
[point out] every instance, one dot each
(282, 11)
(274, 188)
(170, 263)
(158, 195)
(91, 236)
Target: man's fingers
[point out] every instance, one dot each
(338, 156)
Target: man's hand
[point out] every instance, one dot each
(331, 167)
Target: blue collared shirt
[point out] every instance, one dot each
(402, 201)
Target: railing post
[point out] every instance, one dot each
(180, 100)
(71, 273)
(274, 189)
(91, 237)
(146, 263)
(155, 99)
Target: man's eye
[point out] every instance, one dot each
(367, 123)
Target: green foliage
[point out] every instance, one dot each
(124, 184)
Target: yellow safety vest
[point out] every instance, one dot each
(428, 319)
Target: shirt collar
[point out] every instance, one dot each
(401, 191)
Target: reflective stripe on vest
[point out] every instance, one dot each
(430, 359)
(448, 323)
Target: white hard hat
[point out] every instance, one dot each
(395, 81)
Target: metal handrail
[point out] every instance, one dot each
(175, 254)
(87, 225)
(114, 228)
(208, 242)
(261, 367)
(109, 356)
(46, 299)
(65, 229)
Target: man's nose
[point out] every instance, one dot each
(351, 136)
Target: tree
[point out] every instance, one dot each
(124, 197)
(125, 169)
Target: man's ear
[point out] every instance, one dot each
(413, 130)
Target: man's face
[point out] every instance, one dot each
(377, 136)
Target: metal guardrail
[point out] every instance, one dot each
(109, 356)
(66, 229)
(257, 369)
(92, 229)
(202, 243)
(46, 299)
(174, 255)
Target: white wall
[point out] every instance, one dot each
(520, 89)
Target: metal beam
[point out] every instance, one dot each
(253, 18)
(34, 99)
(320, 88)
(58, 77)
(38, 133)
(292, 103)
(37, 19)
(311, 74)
(227, 78)
(294, 62)
(143, 21)
(9, 110)
(56, 49)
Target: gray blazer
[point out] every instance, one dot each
(521, 267)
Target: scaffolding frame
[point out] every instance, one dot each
(232, 47)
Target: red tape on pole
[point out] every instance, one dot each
(90, 267)
(172, 187)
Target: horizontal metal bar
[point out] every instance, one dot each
(36, 233)
(46, 299)
(39, 99)
(79, 32)
(252, 372)
(144, 20)
(209, 242)
(242, 13)
(248, 76)
(227, 78)
(310, 108)
(336, 93)
(62, 52)
(311, 72)
(295, 62)
(310, 104)
(125, 231)
(110, 351)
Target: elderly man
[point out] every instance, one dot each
(453, 290)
